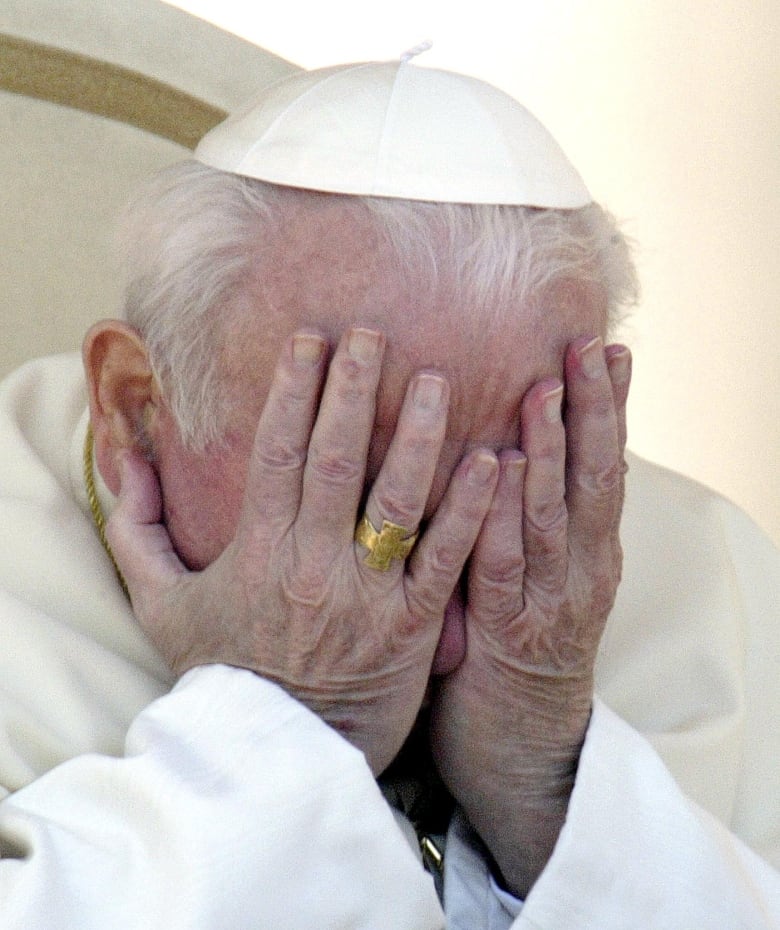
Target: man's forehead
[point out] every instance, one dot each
(329, 265)
(326, 268)
(326, 246)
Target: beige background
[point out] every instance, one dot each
(65, 174)
(670, 110)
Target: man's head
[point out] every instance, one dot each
(222, 268)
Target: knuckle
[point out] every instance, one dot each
(548, 523)
(603, 481)
(547, 548)
(443, 562)
(433, 584)
(397, 503)
(422, 445)
(497, 578)
(334, 468)
(306, 588)
(424, 601)
(500, 588)
(277, 455)
(293, 392)
(352, 378)
(428, 595)
(548, 576)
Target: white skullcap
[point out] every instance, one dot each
(392, 129)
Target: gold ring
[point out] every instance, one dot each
(391, 542)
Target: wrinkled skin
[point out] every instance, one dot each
(509, 722)
(290, 598)
(244, 553)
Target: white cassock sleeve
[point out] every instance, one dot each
(233, 807)
(634, 852)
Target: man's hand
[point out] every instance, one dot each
(291, 597)
(508, 724)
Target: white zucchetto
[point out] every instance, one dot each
(393, 129)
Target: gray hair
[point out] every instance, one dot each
(191, 238)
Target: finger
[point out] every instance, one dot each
(497, 567)
(404, 481)
(138, 539)
(437, 562)
(619, 368)
(335, 468)
(275, 475)
(594, 456)
(545, 516)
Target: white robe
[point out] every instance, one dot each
(223, 803)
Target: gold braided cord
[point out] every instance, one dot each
(94, 504)
(105, 89)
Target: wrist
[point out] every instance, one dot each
(518, 814)
(520, 840)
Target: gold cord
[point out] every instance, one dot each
(94, 504)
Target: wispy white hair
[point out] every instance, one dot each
(193, 237)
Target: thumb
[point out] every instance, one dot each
(138, 538)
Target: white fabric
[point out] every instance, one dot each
(386, 129)
(254, 818)
(635, 852)
(225, 804)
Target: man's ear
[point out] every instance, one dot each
(123, 394)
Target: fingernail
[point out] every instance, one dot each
(482, 468)
(364, 344)
(620, 365)
(307, 348)
(428, 391)
(514, 469)
(592, 356)
(552, 404)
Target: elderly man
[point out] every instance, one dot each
(360, 307)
